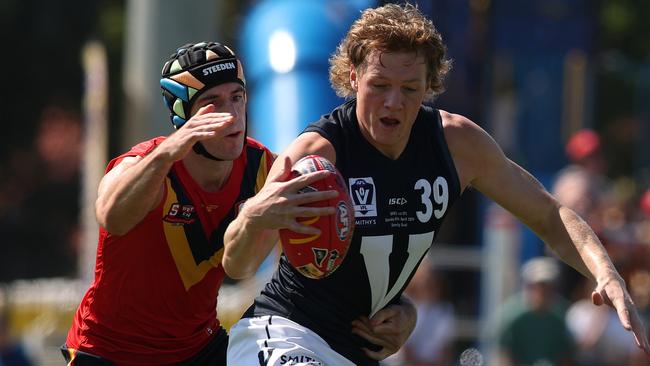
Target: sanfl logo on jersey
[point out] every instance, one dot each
(362, 191)
(180, 214)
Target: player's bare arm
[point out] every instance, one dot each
(482, 165)
(252, 235)
(135, 186)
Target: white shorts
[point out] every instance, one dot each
(277, 341)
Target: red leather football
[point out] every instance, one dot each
(317, 256)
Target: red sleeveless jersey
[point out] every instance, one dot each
(154, 297)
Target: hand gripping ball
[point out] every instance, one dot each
(317, 256)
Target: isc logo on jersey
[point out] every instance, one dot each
(362, 191)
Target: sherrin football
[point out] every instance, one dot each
(317, 256)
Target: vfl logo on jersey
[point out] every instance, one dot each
(180, 214)
(362, 191)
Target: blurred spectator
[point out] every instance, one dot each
(12, 352)
(39, 200)
(644, 202)
(642, 228)
(582, 184)
(600, 338)
(431, 342)
(533, 330)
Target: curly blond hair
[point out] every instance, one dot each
(390, 28)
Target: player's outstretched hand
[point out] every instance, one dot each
(204, 124)
(280, 202)
(613, 292)
(389, 329)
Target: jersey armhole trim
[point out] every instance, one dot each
(444, 147)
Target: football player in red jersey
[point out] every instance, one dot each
(390, 148)
(163, 208)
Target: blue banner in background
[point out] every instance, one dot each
(285, 47)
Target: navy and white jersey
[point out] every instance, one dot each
(399, 206)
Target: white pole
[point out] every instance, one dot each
(95, 148)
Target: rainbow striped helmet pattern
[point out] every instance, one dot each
(192, 69)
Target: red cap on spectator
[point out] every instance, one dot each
(644, 202)
(582, 144)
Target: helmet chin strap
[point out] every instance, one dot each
(200, 149)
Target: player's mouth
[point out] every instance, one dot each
(389, 122)
(234, 134)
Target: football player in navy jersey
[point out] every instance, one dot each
(405, 164)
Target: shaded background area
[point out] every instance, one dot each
(531, 73)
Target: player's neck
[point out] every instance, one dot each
(209, 174)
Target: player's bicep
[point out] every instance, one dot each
(110, 184)
(112, 177)
(511, 186)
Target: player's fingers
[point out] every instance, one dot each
(597, 298)
(361, 323)
(210, 116)
(310, 197)
(304, 180)
(309, 212)
(379, 355)
(642, 338)
(219, 123)
(368, 335)
(640, 335)
(206, 109)
(383, 315)
(302, 228)
(637, 340)
(623, 312)
(388, 328)
(642, 342)
(284, 173)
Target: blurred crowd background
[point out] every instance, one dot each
(562, 85)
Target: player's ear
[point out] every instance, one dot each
(353, 78)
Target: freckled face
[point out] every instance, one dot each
(390, 89)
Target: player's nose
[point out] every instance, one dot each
(393, 99)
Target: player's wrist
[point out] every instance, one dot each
(249, 217)
(162, 158)
(609, 275)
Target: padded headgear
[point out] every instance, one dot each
(191, 70)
